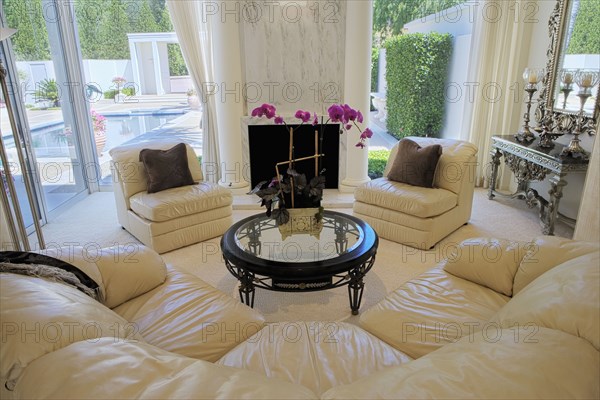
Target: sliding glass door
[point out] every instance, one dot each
(49, 105)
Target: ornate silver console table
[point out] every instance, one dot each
(530, 162)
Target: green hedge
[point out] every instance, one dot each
(416, 73)
(377, 161)
(586, 32)
(374, 68)
(127, 91)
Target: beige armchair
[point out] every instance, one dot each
(416, 216)
(171, 218)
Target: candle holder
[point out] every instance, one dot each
(586, 80)
(531, 76)
(566, 81)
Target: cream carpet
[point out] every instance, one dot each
(93, 222)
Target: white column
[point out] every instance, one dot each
(135, 68)
(229, 102)
(357, 85)
(160, 90)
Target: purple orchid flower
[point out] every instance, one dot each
(336, 113)
(315, 120)
(367, 134)
(266, 110)
(350, 114)
(359, 117)
(278, 120)
(303, 115)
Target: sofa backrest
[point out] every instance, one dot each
(456, 166)
(515, 363)
(129, 173)
(565, 298)
(545, 253)
(40, 316)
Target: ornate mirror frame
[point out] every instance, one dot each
(556, 120)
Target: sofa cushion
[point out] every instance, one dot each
(515, 363)
(129, 271)
(41, 316)
(131, 172)
(488, 262)
(187, 316)
(180, 202)
(415, 165)
(123, 272)
(455, 165)
(317, 355)
(545, 253)
(430, 311)
(81, 257)
(166, 169)
(119, 370)
(565, 298)
(418, 201)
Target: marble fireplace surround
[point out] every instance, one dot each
(250, 121)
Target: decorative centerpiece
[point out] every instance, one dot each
(290, 198)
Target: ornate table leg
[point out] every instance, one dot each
(494, 163)
(247, 288)
(246, 283)
(556, 187)
(356, 285)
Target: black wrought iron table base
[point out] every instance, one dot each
(353, 279)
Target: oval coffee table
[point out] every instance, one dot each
(258, 255)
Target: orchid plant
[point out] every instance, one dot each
(309, 193)
(338, 113)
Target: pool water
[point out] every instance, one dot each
(49, 140)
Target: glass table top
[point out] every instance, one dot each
(261, 237)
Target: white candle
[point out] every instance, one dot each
(568, 78)
(533, 78)
(586, 81)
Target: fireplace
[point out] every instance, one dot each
(269, 144)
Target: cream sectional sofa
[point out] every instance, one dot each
(499, 319)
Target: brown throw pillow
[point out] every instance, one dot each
(166, 169)
(414, 164)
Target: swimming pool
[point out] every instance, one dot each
(49, 139)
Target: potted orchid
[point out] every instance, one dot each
(99, 126)
(288, 189)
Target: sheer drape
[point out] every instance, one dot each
(194, 34)
(497, 62)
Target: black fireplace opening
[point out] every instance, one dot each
(269, 145)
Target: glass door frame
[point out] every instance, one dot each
(66, 56)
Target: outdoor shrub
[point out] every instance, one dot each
(416, 73)
(377, 161)
(374, 68)
(110, 94)
(128, 91)
(47, 90)
(586, 32)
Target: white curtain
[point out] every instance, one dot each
(194, 34)
(497, 60)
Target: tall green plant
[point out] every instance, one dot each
(374, 68)
(416, 73)
(31, 41)
(390, 16)
(586, 32)
(48, 90)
